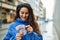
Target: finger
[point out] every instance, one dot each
(18, 38)
(21, 33)
(29, 29)
(28, 26)
(17, 34)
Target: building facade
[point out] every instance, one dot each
(43, 14)
(56, 19)
(8, 9)
(42, 11)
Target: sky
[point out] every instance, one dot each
(49, 5)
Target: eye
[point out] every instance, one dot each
(26, 12)
(22, 12)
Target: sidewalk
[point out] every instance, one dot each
(4, 27)
(3, 30)
(48, 31)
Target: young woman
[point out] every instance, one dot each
(24, 15)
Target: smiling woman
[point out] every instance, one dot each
(24, 16)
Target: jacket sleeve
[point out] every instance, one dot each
(32, 36)
(8, 35)
(40, 37)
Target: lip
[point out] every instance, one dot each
(24, 18)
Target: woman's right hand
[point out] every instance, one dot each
(19, 35)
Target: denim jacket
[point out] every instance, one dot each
(11, 34)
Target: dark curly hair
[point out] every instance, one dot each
(31, 19)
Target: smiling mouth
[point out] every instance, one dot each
(24, 18)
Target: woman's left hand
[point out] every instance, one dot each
(29, 28)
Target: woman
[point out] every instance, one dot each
(24, 15)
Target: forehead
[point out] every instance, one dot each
(25, 9)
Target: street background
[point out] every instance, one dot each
(46, 12)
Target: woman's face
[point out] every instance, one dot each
(24, 13)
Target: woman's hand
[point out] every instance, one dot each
(29, 28)
(19, 35)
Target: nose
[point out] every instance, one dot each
(24, 15)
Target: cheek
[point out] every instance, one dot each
(20, 14)
(27, 15)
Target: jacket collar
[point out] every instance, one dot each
(22, 21)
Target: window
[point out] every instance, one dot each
(10, 0)
(4, 20)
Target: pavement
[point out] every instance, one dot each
(3, 30)
(47, 30)
(4, 26)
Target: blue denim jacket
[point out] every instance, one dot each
(11, 34)
(32, 36)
